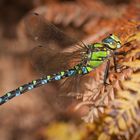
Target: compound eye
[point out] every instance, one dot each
(108, 40)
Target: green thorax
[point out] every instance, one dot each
(97, 54)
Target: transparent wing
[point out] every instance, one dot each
(74, 86)
(44, 33)
(54, 51)
(54, 62)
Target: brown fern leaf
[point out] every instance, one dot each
(122, 117)
(99, 96)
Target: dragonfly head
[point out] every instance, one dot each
(112, 42)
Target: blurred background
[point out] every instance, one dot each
(27, 117)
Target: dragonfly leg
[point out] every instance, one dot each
(115, 63)
(120, 53)
(106, 72)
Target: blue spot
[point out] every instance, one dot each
(6, 99)
(71, 72)
(17, 93)
(108, 40)
(0, 100)
(84, 70)
(44, 81)
(30, 87)
(57, 77)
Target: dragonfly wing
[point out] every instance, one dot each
(74, 86)
(50, 57)
(44, 33)
(53, 62)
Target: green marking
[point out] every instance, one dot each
(113, 46)
(77, 67)
(8, 94)
(48, 77)
(97, 55)
(20, 88)
(95, 64)
(62, 73)
(108, 52)
(79, 71)
(100, 59)
(98, 45)
(89, 69)
(115, 38)
(34, 82)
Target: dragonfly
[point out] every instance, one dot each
(53, 62)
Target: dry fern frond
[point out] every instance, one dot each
(101, 97)
(114, 109)
(122, 117)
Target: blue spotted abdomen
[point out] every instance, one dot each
(78, 69)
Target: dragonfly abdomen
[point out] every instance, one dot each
(78, 69)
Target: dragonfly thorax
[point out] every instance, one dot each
(97, 54)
